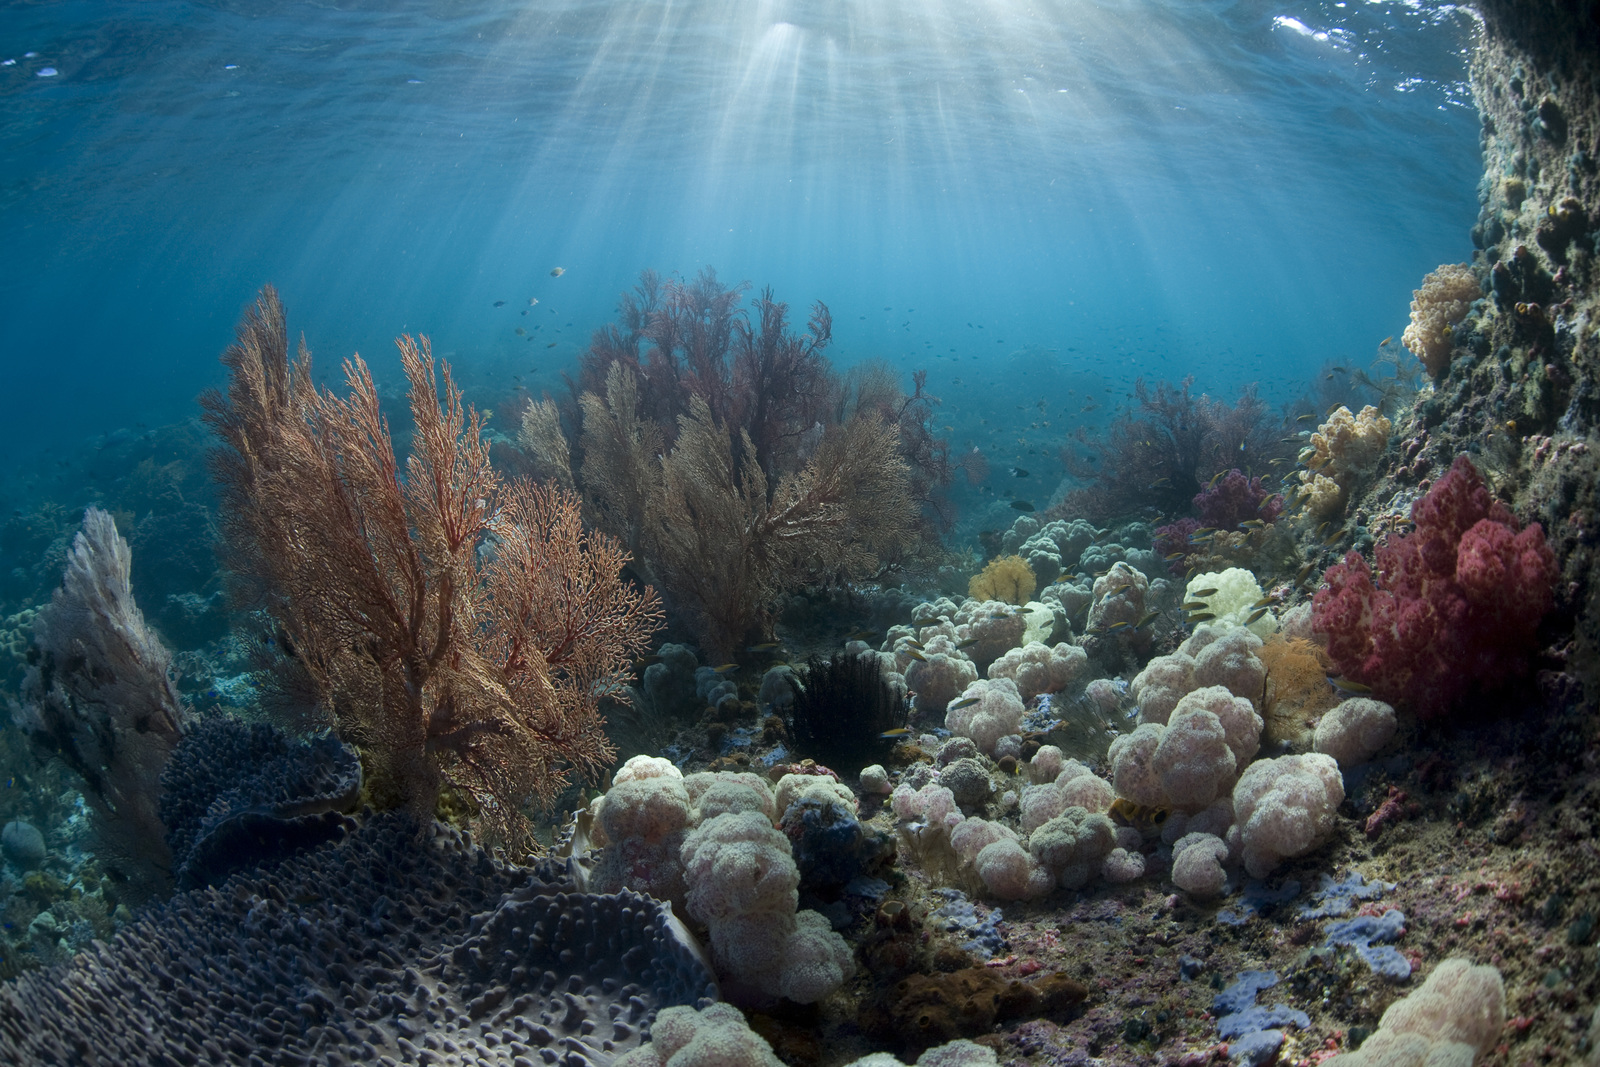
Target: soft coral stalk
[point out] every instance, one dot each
(1456, 603)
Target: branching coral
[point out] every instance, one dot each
(457, 628)
(1161, 452)
(1436, 309)
(831, 521)
(711, 431)
(1456, 604)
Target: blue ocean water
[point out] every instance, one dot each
(1091, 189)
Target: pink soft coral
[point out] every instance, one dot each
(1456, 603)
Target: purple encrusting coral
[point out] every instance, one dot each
(1233, 499)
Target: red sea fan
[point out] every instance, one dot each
(1456, 604)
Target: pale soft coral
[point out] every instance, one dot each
(1348, 445)
(1436, 309)
(1284, 808)
(1037, 668)
(999, 711)
(1456, 605)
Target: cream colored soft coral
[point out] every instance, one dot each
(1436, 308)
(1322, 495)
(1343, 448)
(1347, 444)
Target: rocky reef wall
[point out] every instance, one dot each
(1522, 390)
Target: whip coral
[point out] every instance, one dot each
(1455, 605)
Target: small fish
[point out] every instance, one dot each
(1147, 620)
(1345, 685)
(1204, 531)
(1386, 340)
(914, 643)
(1303, 418)
(1288, 440)
(533, 301)
(1196, 605)
(520, 332)
(1018, 472)
(1161, 483)
(1264, 602)
(1337, 536)
(1252, 524)
(556, 272)
(1001, 615)
(1119, 590)
(966, 702)
(1341, 370)
(1173, 557)
(1204, 616)
(499, 303)
(1102, 574)
(1256, 615)
(1204, 592)
(1217, 477)
(1022, 505)
(1305, 572)
(767, 647)
(968, 643)
(725, 668)
(918, 656)
(898, 731)
(1116, 626)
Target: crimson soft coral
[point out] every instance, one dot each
(1456, 603)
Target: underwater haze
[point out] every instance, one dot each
(1236, 190)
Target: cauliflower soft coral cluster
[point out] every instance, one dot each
(708, 844)
(1456, 604)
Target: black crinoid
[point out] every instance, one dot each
(843, 708)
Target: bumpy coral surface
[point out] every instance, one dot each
(1119, 598)
(998, 712)
(330, 957)
(1453, 1019)
(1442, 302)
(1355, 730)
(1037, 668)
(1455, 606)
(1285, 807)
